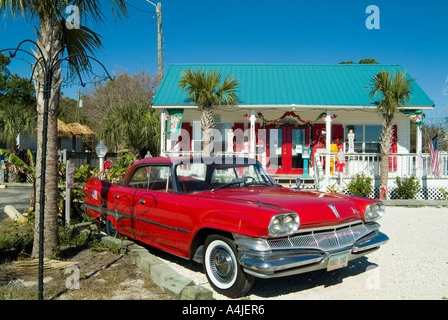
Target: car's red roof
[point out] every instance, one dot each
(174, 159)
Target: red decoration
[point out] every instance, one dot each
(290, 114)
(340, 166)
(248, 117)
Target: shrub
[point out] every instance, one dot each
(444, 193)
(360, 185)
(407, 188)
(16, 240)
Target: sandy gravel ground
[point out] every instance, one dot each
(412, 265)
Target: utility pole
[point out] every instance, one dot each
(159, 39)
(79, 105)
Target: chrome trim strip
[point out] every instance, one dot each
(270, 205)
(335, 211)
(328, 228)
(121, 215)
(162, 225)
(377, 241)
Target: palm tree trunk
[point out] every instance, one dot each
(385, 144)
(207, 124)
(51, 232)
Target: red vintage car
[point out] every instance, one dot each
(231, 216)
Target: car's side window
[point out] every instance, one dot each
(191, 177)
(152, 177)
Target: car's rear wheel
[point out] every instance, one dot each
(221, 266)
(111, 230)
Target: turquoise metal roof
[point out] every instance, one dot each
(287, 84)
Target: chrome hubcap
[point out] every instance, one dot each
(223, 267)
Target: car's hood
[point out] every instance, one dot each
(314, 208)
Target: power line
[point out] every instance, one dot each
(145, 11)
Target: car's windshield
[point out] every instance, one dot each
(198, 177)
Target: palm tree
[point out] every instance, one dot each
(15, 119)
(395, 90)
(131, 126)
(17, 106)
(54, 39)
(206, 91)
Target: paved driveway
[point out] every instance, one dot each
(17, 195)
(412, 265)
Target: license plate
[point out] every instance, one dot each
(337, 261)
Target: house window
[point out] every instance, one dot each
(367, 138)
(219, 136)
(372, 139)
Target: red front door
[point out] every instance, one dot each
(285, 148)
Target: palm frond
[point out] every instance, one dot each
(227, 91)
(92, 9)
(206, 90)
(394, 91)
(14, 7)
(80, 43)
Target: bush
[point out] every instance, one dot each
(360, 185)
(407, 188)
(16, 240)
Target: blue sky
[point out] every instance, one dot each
(412, 33)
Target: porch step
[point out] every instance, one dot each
(289, 181)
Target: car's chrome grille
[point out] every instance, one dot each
(325, 239)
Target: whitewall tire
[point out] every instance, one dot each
(221, 266)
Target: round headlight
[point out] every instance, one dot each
(275, 225)
(374, 211)
(284, 224)
(288, 222)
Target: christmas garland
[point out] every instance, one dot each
(293, 115)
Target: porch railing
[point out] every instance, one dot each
(400, 165)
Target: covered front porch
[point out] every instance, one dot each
(293, 145)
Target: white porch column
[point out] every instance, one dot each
(162, 132)
(327, 145)
(252, 134)
(418, 151)
(419, 145)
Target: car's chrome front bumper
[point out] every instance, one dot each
(307, 251)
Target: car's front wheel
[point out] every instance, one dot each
(221, 266)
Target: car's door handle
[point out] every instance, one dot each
(141, 201)
(116, 196)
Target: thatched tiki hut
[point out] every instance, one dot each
(78, 129)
